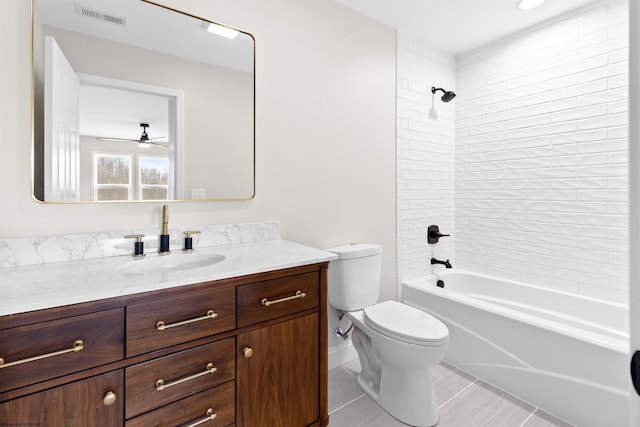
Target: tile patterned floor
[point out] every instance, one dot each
(464, 400)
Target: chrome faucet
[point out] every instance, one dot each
(446, 263)
(164, 236)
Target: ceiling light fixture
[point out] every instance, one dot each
(221, 30)
(528, 4)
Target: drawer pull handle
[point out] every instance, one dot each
(78, 345)
(298, 295)
(210, 369)
(210, 416)
(161, 326)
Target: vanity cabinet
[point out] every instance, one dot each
(245, 351)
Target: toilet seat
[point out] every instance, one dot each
(405, 323)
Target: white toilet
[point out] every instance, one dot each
(397, 344)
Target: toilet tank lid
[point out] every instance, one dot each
(356, 250)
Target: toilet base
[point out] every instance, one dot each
(420, 410)
(406, 394)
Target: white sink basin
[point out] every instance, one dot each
(176, 261)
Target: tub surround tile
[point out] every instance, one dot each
(543, 133)
(23, 251)
(425, 138)
(533, 148)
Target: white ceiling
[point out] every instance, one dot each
(458, 26)
(151, 27)
(119, 113)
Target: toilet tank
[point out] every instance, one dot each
(354, 278)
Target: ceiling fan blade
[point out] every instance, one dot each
(101, 138)
(143, 140)
(159, 143)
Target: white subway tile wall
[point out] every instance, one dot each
(527, 166)
(426, 157)
(541, 154)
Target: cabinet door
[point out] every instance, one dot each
(94, 402)
(277, 377)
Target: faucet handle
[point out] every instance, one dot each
(188, 240)
(434, 235)
(138, 246)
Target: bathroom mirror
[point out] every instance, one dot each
(134, 101)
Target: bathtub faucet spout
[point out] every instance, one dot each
(446, 263)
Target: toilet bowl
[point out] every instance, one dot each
(397, 344)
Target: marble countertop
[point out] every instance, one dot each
(42, 286)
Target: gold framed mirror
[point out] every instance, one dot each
(134, 101)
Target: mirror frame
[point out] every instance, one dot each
(33, 128)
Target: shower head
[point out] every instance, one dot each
(447, 96)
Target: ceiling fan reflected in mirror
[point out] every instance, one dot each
(143, 141)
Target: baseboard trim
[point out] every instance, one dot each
(341, 354)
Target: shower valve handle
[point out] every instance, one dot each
(434, 235)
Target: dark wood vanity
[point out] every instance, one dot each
(248, 351)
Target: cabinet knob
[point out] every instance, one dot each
(109, 398)
(247, 352)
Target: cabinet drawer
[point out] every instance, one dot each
(185, 318)
(277, 297)
(189, 411)
(181, 374)
(42, 351)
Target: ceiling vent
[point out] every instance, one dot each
(100, 16)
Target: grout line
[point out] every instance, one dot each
(528, 418)
(348, 371)
(347, 404)
(458, 393)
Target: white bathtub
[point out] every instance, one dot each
(563, 353)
